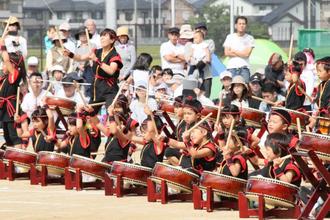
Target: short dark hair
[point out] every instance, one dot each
(143, 62)
(107, 31)
(300, 56)
(154, 68)
(241, 17)
(167, 71)
(325, 61)
(36, 74)
(269, 87)
(279, 143)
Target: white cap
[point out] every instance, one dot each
(226, 73)
(65, 27)
(32, 61)
(57, 68)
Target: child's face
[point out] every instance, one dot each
(268, 96)
(58, 75)
(189, 115)
(35, 83)
(38, 124)
(166, 77)
(276, 125)
(322, 73)
(288, 76)
(270, 154)
(141, 93)
(198, 38)
(226, 120)
(72, 129)
(147, 130)
(197, 135)
(178, 111)
(238, 89)
(69, 90)
(226, 81)
(255, 87)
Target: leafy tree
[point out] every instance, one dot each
(217, 19)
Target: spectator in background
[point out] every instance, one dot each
(167, 74)
(207, 79)
(226, 77)
(84, 68)
(255, 86)
(274, 72)
(172, 53)
(269, 93)
(14, 42)
(91, 27)
(238, 47)
(32, 67)
(65, 29)
(126, 51)
(48, 40)
(307, 76)
(55, 56)
(141, 67)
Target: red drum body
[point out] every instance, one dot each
(222, 185)
(316, 142)
(169, 108)
(253, 117)
(21, 158)
(324, 125)
(66, 106)
(304, 118)
(174, 176)
(89, 166)
(275, 192)
(210, 109)
(132, 173)
(55, 163)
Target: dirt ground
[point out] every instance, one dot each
(20, 200)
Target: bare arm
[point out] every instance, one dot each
(235, 168)
(288, 176)
(204, 152)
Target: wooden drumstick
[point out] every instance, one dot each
(59, 37)
(79, 92)
(299, 127)
(219, 109)
(200, 122)
(308, 129)
(230, 133)
(117, 95)
(290, 50)
(5, 30)
(97, 153)
(263, 100)
(97, 104)
(284, 158)
(304, 92)
(88, 40)
(18, 99)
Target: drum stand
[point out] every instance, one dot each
(321, 187)
(210, 204)
(7, 170)
(261, 212)
(59, 119)
(41, 176)
(163, 195)
(111, 188)
(73, 179)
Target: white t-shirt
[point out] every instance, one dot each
(76, 97)
(239, 43)
(169, 48)
(140, 76)
(30, 102)
(199, 51)
(22, 45)
(138, 109)
(308, 77)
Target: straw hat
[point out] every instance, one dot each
(186, 31)
(13, 20)
(122, 31)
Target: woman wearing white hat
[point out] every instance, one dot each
(126, 52)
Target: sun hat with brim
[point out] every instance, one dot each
(32, 61)
(13, 20)
(141, 84)
(82, 30)
(57, 68)
(65, 27)
(186, 31)
(238, 80)
(226, 73)
(56, 37)
(122, 31)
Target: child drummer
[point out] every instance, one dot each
(199, 152)
(277, 167)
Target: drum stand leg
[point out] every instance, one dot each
(3, 170)
(69, 179)
(78, 180)
(151, 191)
(34, 175)
(210, 204)
(108, 185)
(261, 212)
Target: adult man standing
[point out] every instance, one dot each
(91, 27)
(172, 53)
(238, 47)
(207, 80)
